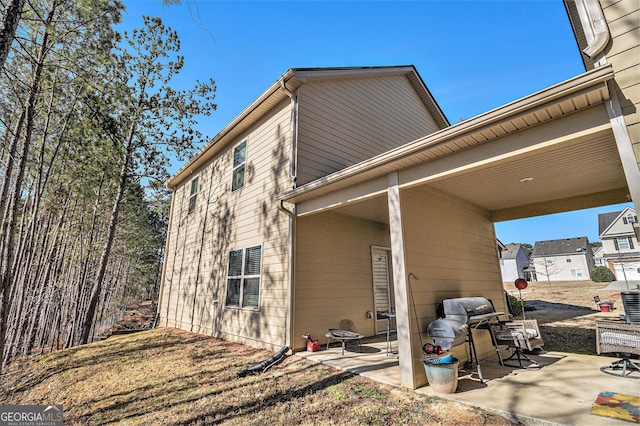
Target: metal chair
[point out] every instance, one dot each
(519, 336)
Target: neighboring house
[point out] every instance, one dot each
(340, 192)
(568, 259)
(598, 253)
(513, 263)
(621, 251)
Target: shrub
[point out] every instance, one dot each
(602, 274)
(516, 305)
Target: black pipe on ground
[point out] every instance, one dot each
(258, 368)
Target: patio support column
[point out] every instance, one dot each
(403, 324)
(625, 146)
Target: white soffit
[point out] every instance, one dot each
(563, 99)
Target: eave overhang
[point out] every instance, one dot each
(560, 100)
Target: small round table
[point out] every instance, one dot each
(343, 336)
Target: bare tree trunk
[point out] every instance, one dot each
(8, 33)
(7, 261)
(106, 251)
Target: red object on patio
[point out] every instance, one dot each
(521, 283)
(313, 346)
(605, 307)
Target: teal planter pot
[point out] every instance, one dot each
(443, 378)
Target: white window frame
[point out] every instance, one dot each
(549, 260)
(576, 272)
(193, 194)
(567, 258)
(243, 277)
(623, 241)
(236, 167)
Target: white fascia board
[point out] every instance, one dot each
(308, 73)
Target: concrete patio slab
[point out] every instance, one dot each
(561, 392)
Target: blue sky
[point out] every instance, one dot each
(473, 56)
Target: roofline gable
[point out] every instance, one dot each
(620, 215)
(291, 80)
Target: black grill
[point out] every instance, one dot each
(456, 320)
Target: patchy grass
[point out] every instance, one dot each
(166, 376)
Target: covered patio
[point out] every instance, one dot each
(429, 206)
(561, 392)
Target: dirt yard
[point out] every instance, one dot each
(566, 312)
(167, 376)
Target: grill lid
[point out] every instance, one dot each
(465, 309)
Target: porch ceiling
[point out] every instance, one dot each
(551, 152)
(567, 178)
(570, 177)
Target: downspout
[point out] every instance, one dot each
(599, 29)
(293, 175)
(290, 274)
(595, 28)
(293, 132)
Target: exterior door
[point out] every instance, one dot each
(382, 286)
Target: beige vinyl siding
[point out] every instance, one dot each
(334, 273)
(345, 121)
(623, 52)
(451, 246)
(619, 227)
(197, 263)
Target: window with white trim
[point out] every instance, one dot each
(567, 259)
(239, 163)
(549, 261)
(243, 278)
(193, 195)
(576, 272)
(623, 243)
(630, 218)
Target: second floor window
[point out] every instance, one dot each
(239, 162)
(193, 195)
(623, 243)
(567, 259)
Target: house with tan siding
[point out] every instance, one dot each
(318, 201)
